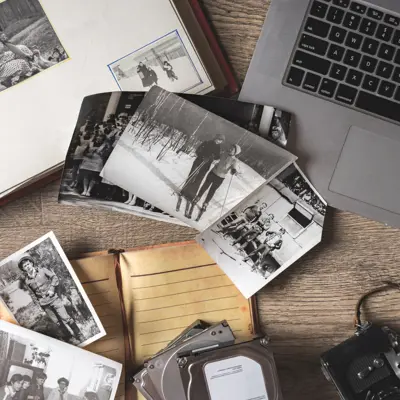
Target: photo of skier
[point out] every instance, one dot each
(164, 62)
(189, 162)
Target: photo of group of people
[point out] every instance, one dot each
(28, 42)
(33, 367)
(189, 162)
(268, 231)
(42, 292)
(102, 121)
(164, 62)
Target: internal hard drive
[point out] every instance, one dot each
(239, 372)
(163, 369)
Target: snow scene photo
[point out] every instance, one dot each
(189, 162)
(268, 231)
(102, 120)
(164, 62)
(40, 289)
(34, 366)
(28, 42)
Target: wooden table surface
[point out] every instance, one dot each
(306, 310)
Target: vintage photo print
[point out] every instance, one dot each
(268, 231)
(189, 162)
(102, 120)
(35, 367)
(163, 62)
(28, 42)
(41, 291)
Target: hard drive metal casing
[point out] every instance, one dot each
(238, 372)
(163, 370)
(142, 380)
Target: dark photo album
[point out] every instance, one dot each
(42, 292)
(36, 367)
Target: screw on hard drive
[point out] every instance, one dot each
(182, 362)
(151, 366)
(264, 341)
(213, 333)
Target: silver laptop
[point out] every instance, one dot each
(336, 65)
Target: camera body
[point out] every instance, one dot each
(366, 366)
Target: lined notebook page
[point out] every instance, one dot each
(98, 279)
(167, 288)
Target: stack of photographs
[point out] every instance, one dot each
(41, 358)
(205, 362)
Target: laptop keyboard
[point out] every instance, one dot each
(349, 53)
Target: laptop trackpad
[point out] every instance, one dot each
(368, 170)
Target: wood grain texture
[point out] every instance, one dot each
(306, 310)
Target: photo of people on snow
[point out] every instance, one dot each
(191, 163)
(270, 230)
(165, 63)
(100, 125)
(39, 291)
(28, 43)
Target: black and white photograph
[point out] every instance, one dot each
(102, 120)
(268, 231)
(42, 292)
(28, 43)
(163, 62)
(35, 367)
(188, 161)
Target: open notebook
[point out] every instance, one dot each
(164, 289)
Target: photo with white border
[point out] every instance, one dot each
(41, 291)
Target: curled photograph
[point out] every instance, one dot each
(42, 293)
(35, 367)
(28, 43)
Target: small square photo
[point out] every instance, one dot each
(164, 62)
(28, 42)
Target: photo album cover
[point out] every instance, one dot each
(189, 162)
(34, 366)
(41, 291)
(101, 122)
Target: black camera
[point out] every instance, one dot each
(366, 366)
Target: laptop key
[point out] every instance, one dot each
(397, 57)
(370, 83)
(316, 27)
(342, 3)
(391, 20)
(368, 64)
(396, 38)
(295, 76)
(377, 105)
(319, 9)
(396, 75)
(351, 21)
(338, 72)
(335, 15)
(375, 14)
(337, 34)
(327, 87)
(370, 46)
(384, 69)
(354, 40)
(358, 8)
(311, 62)
(397, 94)
(311, 82)
(368, 26)
(386, 89)
(313, 44)
(354, 77)
(352, 58)
(384, 32)
(346, 94)
(336, 52)
(386, 52)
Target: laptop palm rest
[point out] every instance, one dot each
(368, 170)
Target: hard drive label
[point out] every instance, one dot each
(229, 379)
